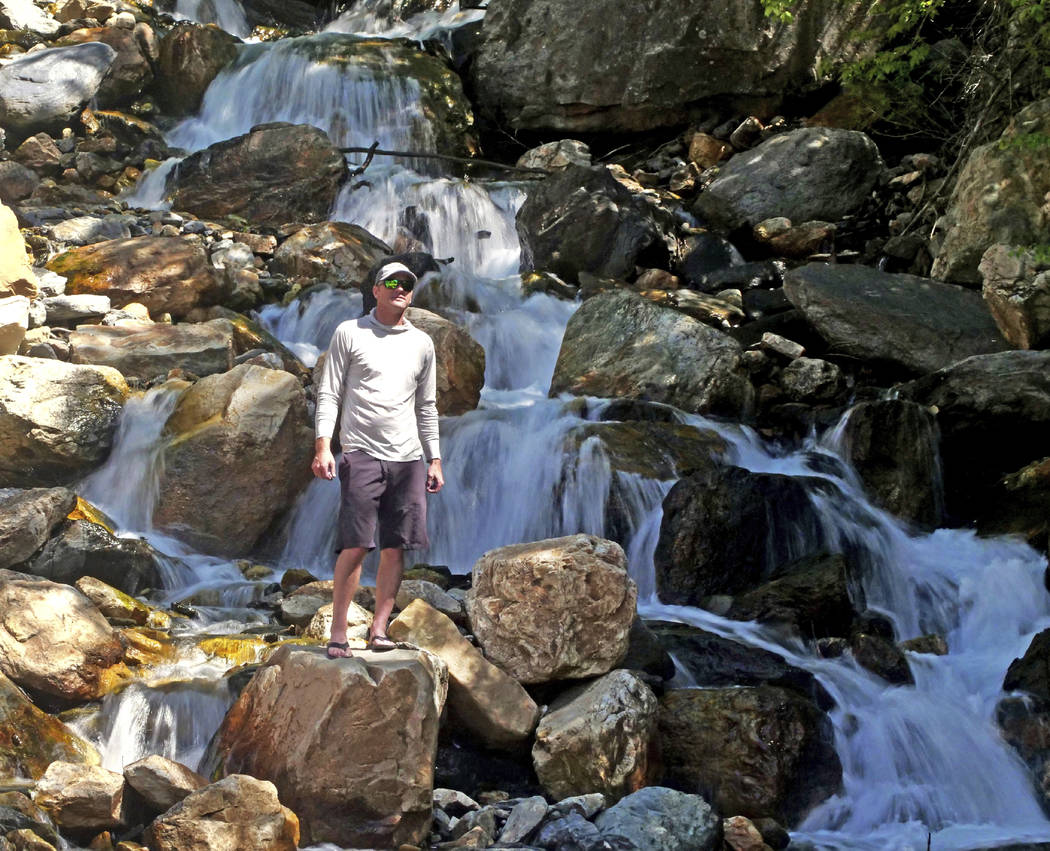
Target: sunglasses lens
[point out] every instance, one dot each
(394, 283)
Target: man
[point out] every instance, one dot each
(382, 370)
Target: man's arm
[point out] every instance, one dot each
(329, 391)
(427, 420)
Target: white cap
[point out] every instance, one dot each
(394, 270)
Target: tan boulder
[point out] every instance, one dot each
(335, 253)
(460, 362)
(555, 609)
(166, 274)
(146, 351)
(599, 738)
(237, 453)
(54, 642)
(16, 277)
(116, 605)
(235, 814)
(30, 739)
(56, 419)
(161, 782)
(350, 744)
(14, 322)
(27, 519)
(740, 834)
(358, 620)
(81, 797)
(487, 702)
(1016, 288)
(705, 150)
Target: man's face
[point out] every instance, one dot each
(396, 299)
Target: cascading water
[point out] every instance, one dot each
(225, 14)
(378, 18)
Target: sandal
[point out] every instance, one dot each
(338, 645)
(381, 643)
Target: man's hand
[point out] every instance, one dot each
(323, 466)
(435, 478)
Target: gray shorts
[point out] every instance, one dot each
(390, 494)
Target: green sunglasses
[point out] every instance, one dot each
(393, 283)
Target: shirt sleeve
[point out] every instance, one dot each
(330, 389)
(426, 405)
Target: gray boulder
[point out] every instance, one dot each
(26, 15)
(72, 310)
(27, 518)
(85, 230)
(47, 89)
(16, 182)
(903, 321)
(660, 819)
(813, 173)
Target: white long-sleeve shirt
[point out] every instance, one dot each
(386, 378)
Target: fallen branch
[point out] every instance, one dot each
(374, 150)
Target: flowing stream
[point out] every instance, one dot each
(917, 760)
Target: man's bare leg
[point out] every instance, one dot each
(388, 580)
(347, 577)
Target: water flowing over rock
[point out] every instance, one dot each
(758, 751)
(599, 738)
(238, 812)
(999, 197)
(487, 702)
(53, 641)
(56, 419)
(555, 609)
(27, 519)
(45, 90)
(277, 173)
(619, 344)
(237, 454)
(583, 220)
(349, 744)
(908, 322)
(190, 57)
(16, 277)
(131, 70)
(460, 362)
(81, 798)
(166, 274)
(660, 819)
(606, 66)
(334, 253)
(1017, 291)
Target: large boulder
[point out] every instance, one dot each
(46, 90)
(555, 609)
(54, 642)
(349, 744)
(606, 66)
(758, 751)
(910, 323)
(132, 68)
(583, 220)
(599, 737)
(146, 351)
(486, 701)
(460, 362)
(236, 454)
(16, 276)
(816, 173)
(56, 419)
(235, 813)
(82, 798)
(27, 519)
(277, 173)
(334, 253)
(14, 322)
(1000, 197)
(1016, 287)
(190, 56)
(166, 274)
(26, 15)
(660, 819)
(620, 344)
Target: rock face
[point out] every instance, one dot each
(555, 609)
(190, 57)
(460, 362)
(536, 72)
(582, 220)
(81, 797)
(599, 738)
(146, 351)
(619, 344)
(911, 323)
(27, 519)
(56, 419)
(277, 173)
(16, 278)
(237, 812)
(237, 454)
(334, 253)
(756, 751)
(349, 744)
(813, 173)
(131, 70)
(45, 90)
(660, 819)
(53, 641)
(488, 702)
(1017, 291)
(998, 198)
(166, 274)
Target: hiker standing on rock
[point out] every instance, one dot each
(381, 368)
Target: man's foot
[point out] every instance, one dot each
(338, 650)
(381, 643)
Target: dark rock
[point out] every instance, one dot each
(882, 657)
(708, 253)
(461, 763)
(646, 654)
(1031, 672)
(763, 302)
(812, 381)
(288, 13)
(571, 833)
(191, 55)
(27, 519)
(743, 276)
(16, 182)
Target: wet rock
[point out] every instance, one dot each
(608, 351)
(646, 654)
(145, 351)
(56, 419)
(911, 323)
(583, 220)
(16, 181)
(334, 253)
(1019, 504)
(1031, 673)
(190, 57)
(277, 173)
(14, 322)
(660, 819)
(16, 276)
(166, 274)
(892, 444)
(131, 70)
(349, 743)
(832, 173)
(1017, 291)
(237, 453)
(599, 738)
(46, 89)
(116, 605)
(705, 547)
(882, 657)
(27, 520)
(487, 702)
(460, 362)
(18, 812)
(932, 644)
(555, 156)
(554, 609)
(236, 812)
(756, 751)
(161, 782)
(81, 798)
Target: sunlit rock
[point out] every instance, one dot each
(161, 782)
(460, 362)
(14, 322)
(16, 276)
(190, 57)
(81, 798)
(26, 15)
(335, 253)
(132, 69)
(555, 156)
(358, 620)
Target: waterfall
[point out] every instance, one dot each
(378, 18)
(225, 14)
